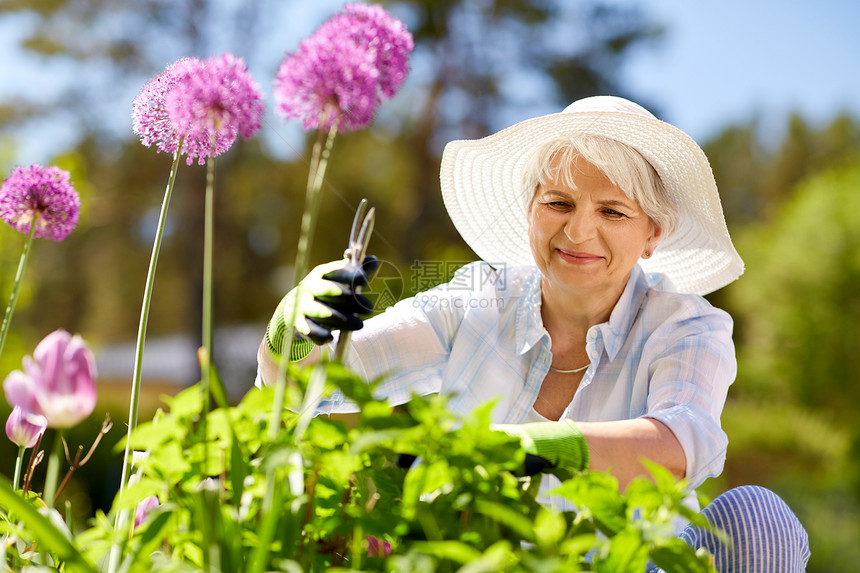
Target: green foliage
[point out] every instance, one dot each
(792, 415)
(43, 526)
(460, 509)
(810, 258)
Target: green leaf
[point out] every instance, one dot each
(326, 433)
(676, 556)
(239, 470)
(510, 518)
(216, 387)
(644, 495)
(627, 554)
(549, 528)
(424, 479)
(151, 537)
(498, 557)
(664, 479)
(186, 404)
(169, 461)
(453, 550)
(46, 533)
(150, 435)
(581, 544)
(371, 439)
(137, 492)
(596, 494)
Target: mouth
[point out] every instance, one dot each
(578, 257)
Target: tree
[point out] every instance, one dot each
(792, 415)
(478, 66)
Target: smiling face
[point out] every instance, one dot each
(589, 235)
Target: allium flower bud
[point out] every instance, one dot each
(58, 382)
(23, 428)
(41, 194)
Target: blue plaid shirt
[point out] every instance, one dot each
(661, 355)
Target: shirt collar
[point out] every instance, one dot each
(529, 324)
(625, 312)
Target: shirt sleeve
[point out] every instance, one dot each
(690, 373)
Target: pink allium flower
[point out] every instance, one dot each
(388, 39)
(209, 103)
(217, 101)
(58, 382)
(340, 73)
(149, 109)
(44, 194)
(24, 429)
(143, 509)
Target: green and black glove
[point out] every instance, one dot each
(558, 444)
(324, 301)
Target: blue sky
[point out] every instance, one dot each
(732, 60)
(719, 62)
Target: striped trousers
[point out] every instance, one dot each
(764, 534)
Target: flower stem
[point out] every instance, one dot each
(208, 240)
(316, 175)
(313, 200)
(144, 319)
(19, 275)
(53, 470)
(19, 462)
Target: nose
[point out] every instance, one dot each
(580, 226)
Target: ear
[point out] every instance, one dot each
(653, 240)
(656, 234)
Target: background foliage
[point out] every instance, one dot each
(792, 208)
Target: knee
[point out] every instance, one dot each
(763, 533)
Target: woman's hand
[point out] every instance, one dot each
(560, 443)
(325, 300)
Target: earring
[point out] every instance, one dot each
(647, 254)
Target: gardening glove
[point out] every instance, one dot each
(554, 444)
(325, 300)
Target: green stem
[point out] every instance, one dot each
(141, 331)
(208, 240)
(19, 276)
(316, 175)
(53, 472)
(313, 200)
(19, 462)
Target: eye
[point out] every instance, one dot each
(556, 204)
(614, 213)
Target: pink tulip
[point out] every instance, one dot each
(58, 382)
(143, 509)
(24, 429)
(376, 546)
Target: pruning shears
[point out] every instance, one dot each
(359, 237)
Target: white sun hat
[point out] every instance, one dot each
(485, 191)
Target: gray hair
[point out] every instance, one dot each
(621, 164)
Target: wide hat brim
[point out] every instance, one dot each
(483, 185)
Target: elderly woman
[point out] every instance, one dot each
(600, 229)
